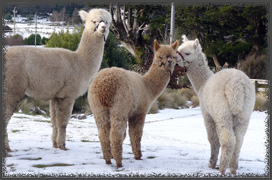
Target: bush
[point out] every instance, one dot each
(81, 105)
(33, 106)
(31, 40)
(154, 108)
(261, 102)
(175, 99)
(65, 39)
(255, 66)
(15, 40)
(44, 40)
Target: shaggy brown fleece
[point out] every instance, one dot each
(117, 96)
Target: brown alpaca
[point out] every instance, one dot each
(56, 74)
(117, 96)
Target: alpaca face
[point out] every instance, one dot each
(166, 56)
(97, 21)
(191, 51)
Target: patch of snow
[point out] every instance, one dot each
(174, 143)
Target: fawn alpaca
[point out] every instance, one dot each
(117, 96)
(226, 99)
(56, 74)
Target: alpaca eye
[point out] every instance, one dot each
(160, 57)
(94, 22)
(187, 54)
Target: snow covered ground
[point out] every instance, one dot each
(44, 27)
(174, 143)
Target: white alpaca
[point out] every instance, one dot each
(56, 74)
(227, 100)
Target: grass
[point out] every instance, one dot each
(31, 159)
(83, 140)
(51, 165)
(15, 131)
(10, 165)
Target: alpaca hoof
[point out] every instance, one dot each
(9, 150)
(233, 172)
(108, 162)
(212, 166)
(7, 155)
(119, 165)
(138, 158)
(64, 148)
(222, 172)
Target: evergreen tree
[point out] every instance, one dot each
(226, 32)
(31, 40)
(8, 17)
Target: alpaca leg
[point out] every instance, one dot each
(53, 104)
(213, 139)
(117, 133)
(9, 109)
(239, 131)
(227, 141)
(64, 111)
(102, 120)
(11, 102)
(136, 125)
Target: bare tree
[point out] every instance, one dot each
(136, 26)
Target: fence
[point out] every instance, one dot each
(260, 82)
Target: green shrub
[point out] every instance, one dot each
(66, 39)
(31, 40)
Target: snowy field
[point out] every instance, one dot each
(174, 143)
(44, 27)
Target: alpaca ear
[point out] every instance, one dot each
(156, 45)
(196, 44)
(184, 38)
(175, 45)
(83, 14)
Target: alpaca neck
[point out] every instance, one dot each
(156, 80)
(198, 73)
(90, 51)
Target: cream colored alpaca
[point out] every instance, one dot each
(117, 96)
(56, 74)
(227, 100)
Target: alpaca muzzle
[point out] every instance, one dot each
(103, 27)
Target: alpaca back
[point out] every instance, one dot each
(117, 86)
(230, 89)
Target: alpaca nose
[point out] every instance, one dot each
(169, 63)
(104, 27)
